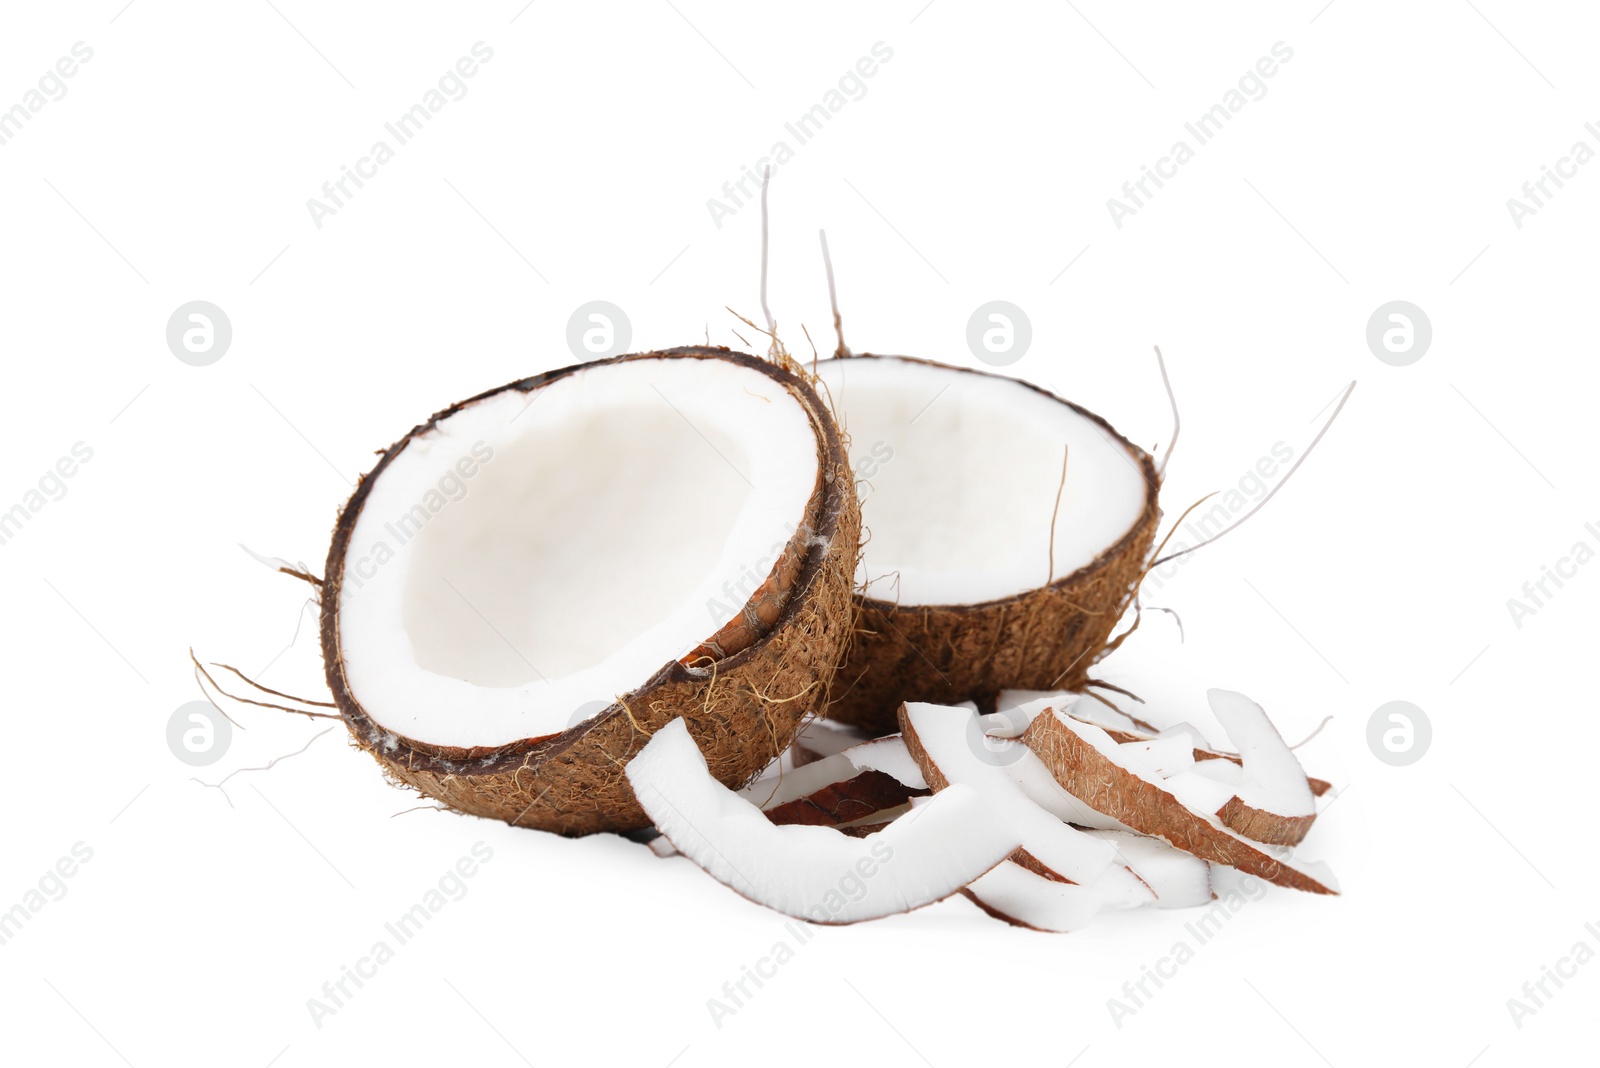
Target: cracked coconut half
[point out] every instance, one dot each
(1007, 532)
(536, 580)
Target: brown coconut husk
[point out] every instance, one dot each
(743, 694)
(1043, 639)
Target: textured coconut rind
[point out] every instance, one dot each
(1101, 784)
(741, 709)
(1262, 826)
(1043, 639)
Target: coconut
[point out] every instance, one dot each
(1007, 532)
(530, 584)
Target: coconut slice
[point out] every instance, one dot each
(1114, 779)
(941, 739)
(814, 873)
(529, 583)
(986, 567)
(1273, 801)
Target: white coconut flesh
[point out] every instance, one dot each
(949, 739)
(1271, 778)
(959, 475)
(814, 873)
(535, 555)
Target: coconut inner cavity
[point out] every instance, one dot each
(536, 555)
(958, 473)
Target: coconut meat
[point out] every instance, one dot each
(959, 473)
(1272, 779)
(532, 556)
(814, 873)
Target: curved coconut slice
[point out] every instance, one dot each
(942, 740)
(1273, 802)
(986, 569)
(814, 873)
(529, 583)
(1116, 780)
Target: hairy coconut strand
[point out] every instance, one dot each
(742, 709)
(1044, 639)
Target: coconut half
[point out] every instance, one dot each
(986, 567)
(531, 583)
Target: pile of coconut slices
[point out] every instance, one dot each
(826, 630)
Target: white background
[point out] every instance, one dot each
(976, 167)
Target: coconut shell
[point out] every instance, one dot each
(742, 694)
(1043, 639)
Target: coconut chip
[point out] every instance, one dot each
(814, 873)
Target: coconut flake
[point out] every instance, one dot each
(814, 873)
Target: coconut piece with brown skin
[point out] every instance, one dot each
(1007, 532)
(1110, 777)
(529, 585)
